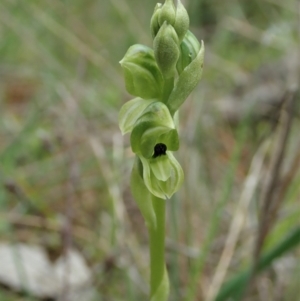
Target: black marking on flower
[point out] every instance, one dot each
(159, 149)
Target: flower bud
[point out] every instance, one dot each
(142, 75)
(166, 50)
(175, 15)
(189, 49)
(186, 82)
(167, 13)
(154, 25)
(182, 21)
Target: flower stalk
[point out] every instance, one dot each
(161, 79)
(159, 282)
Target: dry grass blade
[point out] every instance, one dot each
(133, 23)
(237, 223)
(275, 169)
(251, 32)
(283, 5)
(230, 68)
(284, 185)
(113, 188)
(71, 39)
(272, 179)
(28, 38)
(37, 222)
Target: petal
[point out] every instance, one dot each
(161, 167)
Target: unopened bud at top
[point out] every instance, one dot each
(154, 24)
(166, 50)
(167, 13)
(182, 21)
(175, 15)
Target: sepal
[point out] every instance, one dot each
(131, 111)
(142, 75)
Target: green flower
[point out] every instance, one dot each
(154, 136)
(142, 75)
(155, 126)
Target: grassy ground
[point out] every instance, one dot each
(64, 166)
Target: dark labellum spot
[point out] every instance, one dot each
(159, 149)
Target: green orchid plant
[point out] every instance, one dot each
(160, 79)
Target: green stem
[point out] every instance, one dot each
(167, 89)
(158, 278)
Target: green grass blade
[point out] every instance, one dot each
(234, 287)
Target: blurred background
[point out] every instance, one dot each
(69, 228)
